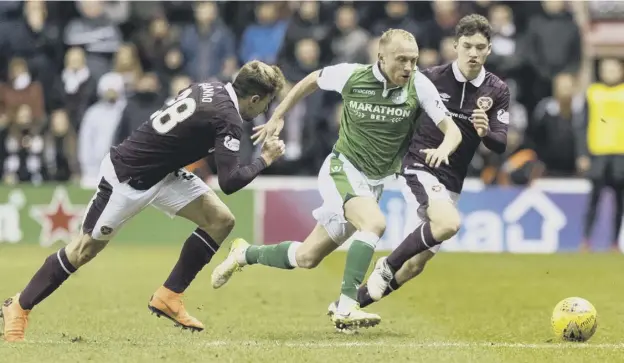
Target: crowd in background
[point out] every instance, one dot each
(78, 77)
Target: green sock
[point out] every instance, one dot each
(359, 258)
(270, 255)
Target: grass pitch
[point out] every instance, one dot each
(464, 308)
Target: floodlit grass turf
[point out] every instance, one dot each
(464, 308)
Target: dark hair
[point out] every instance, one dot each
(257, 78)
(472, 24)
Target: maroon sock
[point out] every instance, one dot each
(55, 270)
(196, 253)
(364, 298)
(416, 242)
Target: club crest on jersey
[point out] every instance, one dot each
(231, 143)
(485, 103)
(399, 97)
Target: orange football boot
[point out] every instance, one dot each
(15, 319)
(169, 304)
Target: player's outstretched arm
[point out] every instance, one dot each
(452, 135)
(234, 177)
(275, 124)
(431, 102)
(331, 78)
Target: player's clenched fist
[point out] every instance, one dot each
(481, 122)
(435, 157)
(272, 149)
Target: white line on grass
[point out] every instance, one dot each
(330, 344)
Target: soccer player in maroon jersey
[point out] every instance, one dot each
(147, 169)
(478, 101)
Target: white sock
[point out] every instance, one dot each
(346, 303)
(369, 238)
(292, 253)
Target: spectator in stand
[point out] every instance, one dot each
(519, 164)
(447, 50)
(99, 125)
(22, 89)
(155, 41)
(307, 55)
(306, 23)
(141, 105)
(174, 65)
(398, 17)
(601, 143)
(428, 58)
(97, 33)
(117, 11)
(24, 146)
(504, 60)
(263, 39)
(4, 132)
(177, 84)
(77, 86)
(208, 45)
(373, 50)
(127, 63)
(552, 129)
(445, 17)
(144, 12)
(552, 46)
(350, 42)
(61, 149)
(37, 39)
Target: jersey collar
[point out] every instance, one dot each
(380, 77)
(460, 77)
(230, 91)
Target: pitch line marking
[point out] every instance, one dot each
(298, 344)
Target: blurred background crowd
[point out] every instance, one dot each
(78, 77)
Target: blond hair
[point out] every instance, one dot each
(257, 78)
(390, 34)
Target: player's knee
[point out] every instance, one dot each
(376, 225)
(220, 222)
(308, 259)
(445, 222)
(445, 228)
(226, 220)
(84, 250)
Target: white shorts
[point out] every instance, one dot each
(339, 181)
(419, 188)
(115, 203)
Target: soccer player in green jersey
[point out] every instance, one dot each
(382, 102)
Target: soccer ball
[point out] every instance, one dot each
(574, 319)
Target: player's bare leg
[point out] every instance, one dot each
(284, 255)
(443, 223)
(365, 215)
(55, 270)
(215, 222)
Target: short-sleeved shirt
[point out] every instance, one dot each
(377, 121)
